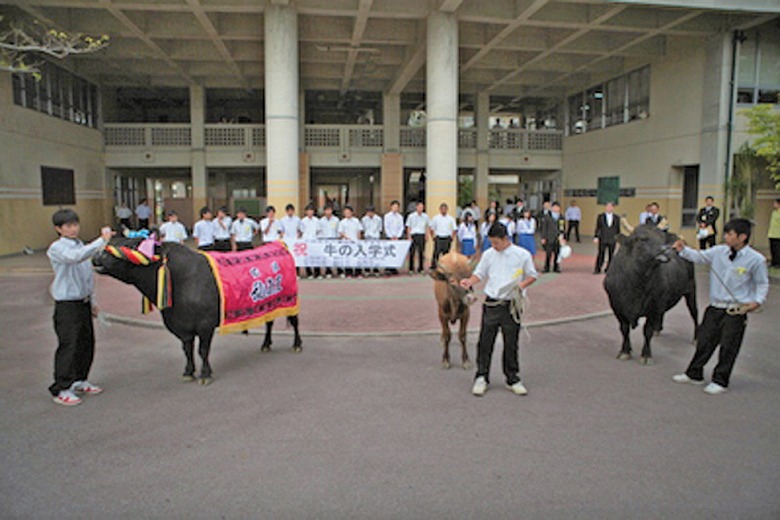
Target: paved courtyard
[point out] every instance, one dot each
(369, 426)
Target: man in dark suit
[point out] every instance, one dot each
(653, 217)
(551, 229)
(607, 230)
(707, 217)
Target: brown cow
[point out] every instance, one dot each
(453, 301)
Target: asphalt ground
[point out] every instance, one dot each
(372, 427)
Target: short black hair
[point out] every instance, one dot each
(395, 202)
(241, 210)
(709, 197)
(740, 226)
(497, 230)
(443, 205)
(370, 208)
(267, 209)
(204, 210)
(328, 206)
(348, 207)
(308, 207)
(172, 213)
(289, 207)
(64, 216)
(223, 209)
(419, 202)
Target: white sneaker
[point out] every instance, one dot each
(67, 398)
(480, 386)
(518, 388)
(85, 387)
(683, 378)
(714, 389)
(310, 277)
(342, 276)
(320, 277)
(329, 276)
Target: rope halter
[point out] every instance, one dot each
(131, 255)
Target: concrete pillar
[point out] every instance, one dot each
(199, 175)
(391, 117)
(281, 105)
(441, 98)
(482, 120)
(391, 179)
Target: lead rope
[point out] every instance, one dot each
(735, 308)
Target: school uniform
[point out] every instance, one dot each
(573, 217)
(124, 214)
(329, 230)
(394, 230)
(526, 229)
(204, 230)
(372, 230)
(73, 291)
(418, 229)
(736, 277)
(467, 236)
(483, 233)
(442, 226)
(503, 270)
(242, 232)
(173, 232)
(144, 213)
(290, 226)
(222, 233)
(510, 228)
(270, 231)
(350, 228)
(310, 230)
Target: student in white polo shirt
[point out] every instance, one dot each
(290, 224)
(372, 229)
(203, 230)
(242, 230)
(416, 230)
(443, 230)
(309, 229)
(270, 229)
(329, 230)
(173, 230)
(350, 229)
(222, 230)
(394, 227)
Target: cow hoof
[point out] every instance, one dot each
(623, 356)
(297, 349)
(445, 365)
(646, 361)
(265, 348)
(205, 381)
(187, 379)
(466, 365)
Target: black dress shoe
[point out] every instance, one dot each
(557, 269)
(546, 270)
(596, 272)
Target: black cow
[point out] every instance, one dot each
(195, 300)
(645, 279)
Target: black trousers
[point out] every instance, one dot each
(606, 249)
(774, 245)
(573, 225)
(243, 246)
(312, 271)
(125, 222)
(717, 328)
(143, 223)
(222, 245)
(493, 319)
(440, 247)
(75, 343)
(704, 243)
(551, 250)
(418, 248)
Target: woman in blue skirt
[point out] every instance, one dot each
(467, 235)
(526, 229)
(484, 228)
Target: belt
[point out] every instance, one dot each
(83, 300)
(492, 302)
(723, 305)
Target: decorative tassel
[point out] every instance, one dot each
(164, 286)
(146, 305)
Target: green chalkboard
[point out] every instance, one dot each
(608, 190)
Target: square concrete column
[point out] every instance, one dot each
(198, 153)
(281, 105)
(391, 180)
(481, 177)
(441, 98)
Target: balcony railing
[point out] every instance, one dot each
(342, 137)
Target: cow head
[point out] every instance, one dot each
(121, 258)
(451, 269)
(648, 246)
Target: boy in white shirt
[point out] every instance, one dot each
(416, 230)
(508, 268)
(394, 227)
(372, 229)
(443, 230)
(290, 224)
(269, 227)
(329, 229)
(242, 230)
(173, 230)
(222, 230)
(350, 229)
(203, 231)
(309, 229)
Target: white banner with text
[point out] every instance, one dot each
(347, 253)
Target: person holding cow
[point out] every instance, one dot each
(73, 289)
(551, 230)
(607, 230)
(509, 270)
(739, 284)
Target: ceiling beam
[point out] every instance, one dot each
(506, 31)
(409, 69)
(569, 39)
(449, 6)
(208, 26)
(361, 20)
(138, 33)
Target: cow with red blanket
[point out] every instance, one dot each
(190, 290)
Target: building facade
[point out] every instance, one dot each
(250, 103)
